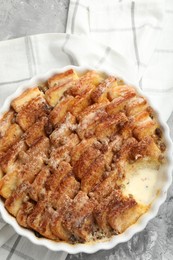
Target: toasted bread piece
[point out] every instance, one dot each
(99, 95)
(81, 88)
(8, 183)
(110, 125)
(118, 103)
(23, 213)
(104, 188)
(85, 160)
(68, 186)
(37, 189)
(8, 160)
(62, 153)
(124, 214)
(36, 131)
(146, 148)
(65, 186)
(94, 108)
(143, 125)
(125, 152)
(93, 174)
(30, 113)
(60, 111)
(57, 228)
(62, 78)
(33, 160)
(101, 211)
(40, 219)
(58, 84)
(60, 135)
(80, 103)
(53, 181)
(55, 94)
(79, 219)
(15, 201)
(86, 127)
(136, 105)
(118, 212)
(5, 122)
(81, 148)
(21, 101)
(11, 136)
(121, 91)
(145, 129)
(86, 83)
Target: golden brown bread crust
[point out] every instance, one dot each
(65, 149)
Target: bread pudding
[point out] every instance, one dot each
(79, 157)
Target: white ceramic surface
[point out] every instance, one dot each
(166, 179)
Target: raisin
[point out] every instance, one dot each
(162, 147)
(37, 234)
(43, 88)
(158, 132)
(48, 128)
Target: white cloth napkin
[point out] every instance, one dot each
(129, 27)
(141, 31)
(123, 36)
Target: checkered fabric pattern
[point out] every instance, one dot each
(141, 31)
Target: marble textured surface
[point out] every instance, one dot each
(26, 17)
(20, 18)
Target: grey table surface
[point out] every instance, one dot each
(26, 17)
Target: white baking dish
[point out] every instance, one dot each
(165, 180)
